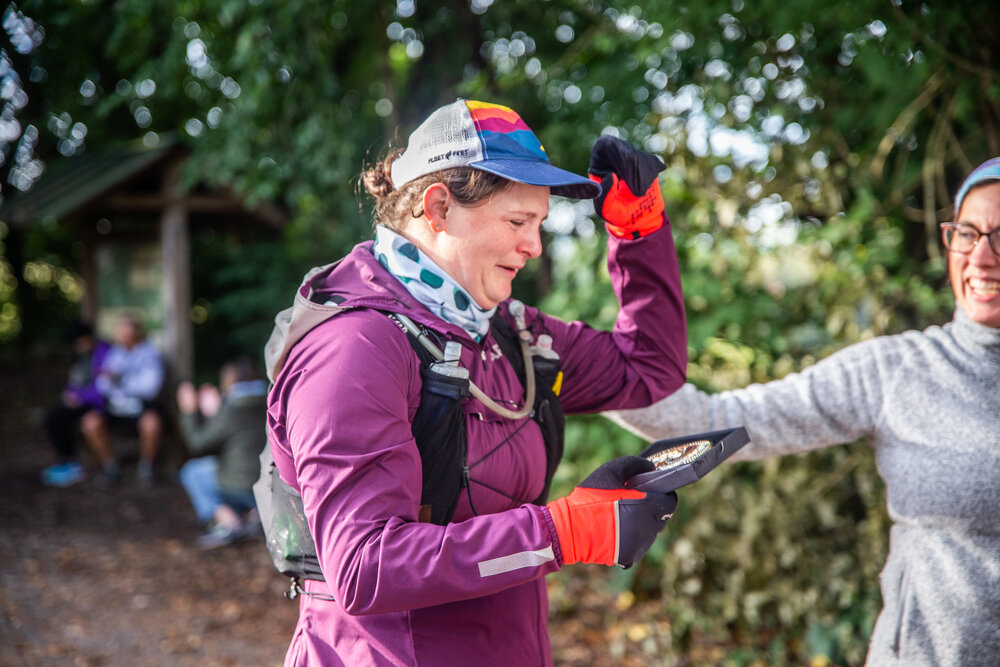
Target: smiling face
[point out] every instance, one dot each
(484, 246)
(975, 277)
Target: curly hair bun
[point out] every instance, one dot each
(378, 179)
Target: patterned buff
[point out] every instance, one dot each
(429, 284)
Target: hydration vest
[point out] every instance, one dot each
(439, 429)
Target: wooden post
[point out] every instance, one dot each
(88, 271)
(178, 335)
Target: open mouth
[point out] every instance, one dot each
(983, 288)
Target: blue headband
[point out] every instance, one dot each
(987, 171)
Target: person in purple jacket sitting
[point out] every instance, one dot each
(79, 396)
(457, 215)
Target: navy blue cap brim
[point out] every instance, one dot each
(534, 172)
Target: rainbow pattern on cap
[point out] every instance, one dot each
(503, 133)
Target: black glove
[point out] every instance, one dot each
(630, 201)
(603, 522)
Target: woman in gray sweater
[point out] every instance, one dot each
(928, 402)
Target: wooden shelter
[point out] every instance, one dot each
(134, 221)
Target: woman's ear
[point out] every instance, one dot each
(436, 200)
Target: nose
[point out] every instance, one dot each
(531, 242)
(982, 253)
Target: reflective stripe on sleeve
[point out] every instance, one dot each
(488, 568)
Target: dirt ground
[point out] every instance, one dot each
(95, 576)
(110, 576)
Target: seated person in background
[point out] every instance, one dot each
(130, 381)
(79, 396)
(230, 428)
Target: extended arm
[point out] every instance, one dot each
(204, 436)
(836, 401)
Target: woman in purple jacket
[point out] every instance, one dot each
(80, 396)
(458, 214)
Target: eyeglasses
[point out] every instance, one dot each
(962, 237)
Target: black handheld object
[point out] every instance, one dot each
(685, 460)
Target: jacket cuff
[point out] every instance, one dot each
(553, 534)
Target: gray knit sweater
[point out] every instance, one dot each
(929, 403)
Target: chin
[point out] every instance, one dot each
(989, 321)
(496, 298)
(989, 317)
(493, 303)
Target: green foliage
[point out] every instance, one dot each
(783, 553)
(782, 557)
(233, 307)
(787, 548)
(9, 316)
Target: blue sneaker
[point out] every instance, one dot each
(63, 474)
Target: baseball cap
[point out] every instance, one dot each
(489, 137)
(987, 171)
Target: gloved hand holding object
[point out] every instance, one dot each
(630, 201)
(602, 522)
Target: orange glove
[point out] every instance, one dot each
(603, 522)
(630, 201)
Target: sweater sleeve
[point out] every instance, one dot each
(644, 358)
(342, 406)
(204, 436)
(836, 401)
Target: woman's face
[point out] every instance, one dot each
(975, 277)
(483, 247)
